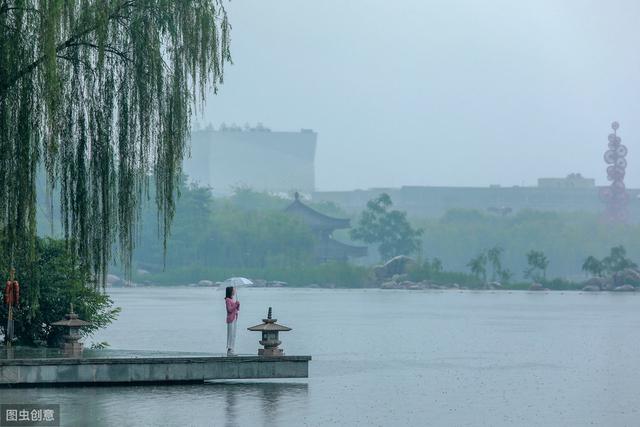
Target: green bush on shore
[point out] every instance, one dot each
(48, 285)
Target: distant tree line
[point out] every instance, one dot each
(249, 232)
(565, 240)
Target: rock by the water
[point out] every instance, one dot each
(624, 288)
(626, 277)
(598, 282)
(205, 283)
(591, 288)
(389, 285)
(492, 286)
(399, 278)
(537, 287)
(396, 265)
(276, 284)
(410, 285)
(632, 273)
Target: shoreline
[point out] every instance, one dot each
(510, 288)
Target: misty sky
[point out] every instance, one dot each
(448, 92)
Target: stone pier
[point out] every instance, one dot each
(145, 368)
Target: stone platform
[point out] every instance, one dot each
(47, 367)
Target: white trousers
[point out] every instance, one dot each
(231, 335)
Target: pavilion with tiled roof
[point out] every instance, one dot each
(322, 226)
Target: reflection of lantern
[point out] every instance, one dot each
(270, 340)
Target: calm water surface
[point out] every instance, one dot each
(388, 358)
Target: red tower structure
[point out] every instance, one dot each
(615, 196)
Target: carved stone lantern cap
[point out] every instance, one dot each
(269, 325)
(71, 320)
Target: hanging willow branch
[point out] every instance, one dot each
(100, 93)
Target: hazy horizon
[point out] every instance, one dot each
(439, 92)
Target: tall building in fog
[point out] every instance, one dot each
(257, 158)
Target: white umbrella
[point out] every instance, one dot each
(237, 281)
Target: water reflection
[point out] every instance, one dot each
(270, 395)
(231, 406)
(490, 351)
(215, 403)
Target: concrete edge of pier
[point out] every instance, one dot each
(148, 370)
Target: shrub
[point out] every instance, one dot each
(48, 285)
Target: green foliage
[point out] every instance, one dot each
(505, 276)
(101, 94)
(617, 260)
(612, 265)
(558, 284)
(494, 256)
(538, 264)
(48, 285)
(389, 229)
(436, 265)
(478, 266)
(593, 266)
(226, 234)
(248, 199)
(433, 271)
(247, 234)
(565, 238)
(99, 345)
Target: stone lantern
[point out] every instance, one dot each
(71, 344)
(270, 330)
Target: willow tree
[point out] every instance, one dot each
(98, 94)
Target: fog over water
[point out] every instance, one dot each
(449, 92)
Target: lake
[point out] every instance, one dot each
(380, 358)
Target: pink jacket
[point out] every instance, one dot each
(233, 307)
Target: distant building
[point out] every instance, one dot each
(571, 194)
(322, 226)
(257, 157)
(574, 180)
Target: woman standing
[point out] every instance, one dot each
(233, 307)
